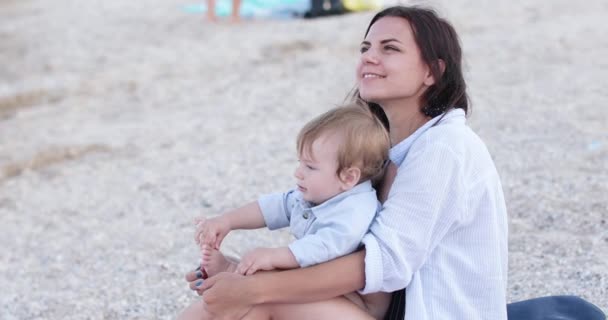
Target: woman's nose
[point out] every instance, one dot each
(369, 56)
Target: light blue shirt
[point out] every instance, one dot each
(442, 232)
(324, 232)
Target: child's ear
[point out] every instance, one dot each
(350, 177)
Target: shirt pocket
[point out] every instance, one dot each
(302, 223)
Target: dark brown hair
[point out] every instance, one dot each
(437, 40)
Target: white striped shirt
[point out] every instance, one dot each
(442, 232)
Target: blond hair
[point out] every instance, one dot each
(365, 140)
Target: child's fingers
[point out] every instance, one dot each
(217, 243)
(210, 238)
(200, 230)
(199, 221)
(219, 240)
(239, 267)
(201, 225)
(251, 270)
(201, 237)
(243, 267)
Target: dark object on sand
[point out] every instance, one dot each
(554, 308)
(320, 8)
(544, 308)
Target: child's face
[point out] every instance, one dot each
(316, 174)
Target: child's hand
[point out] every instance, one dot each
(255, 260)
(211, 231)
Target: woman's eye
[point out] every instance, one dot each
(310, 167)
(391, 48)
(363, 49)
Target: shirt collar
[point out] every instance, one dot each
(398, 152)
(328, 205)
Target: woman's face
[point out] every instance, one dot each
(391, 68)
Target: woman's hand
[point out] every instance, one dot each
(387, 181)
(231, 295)
(227, 295)
(195, 280)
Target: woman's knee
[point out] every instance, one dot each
(195, 311)
(260, 312)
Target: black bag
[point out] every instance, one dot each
(554, 308)
(543, 308)
(320, 8)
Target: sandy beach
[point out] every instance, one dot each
(121, 121)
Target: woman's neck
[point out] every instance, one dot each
(403, 120)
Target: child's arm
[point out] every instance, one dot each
(267, 259)
(336, 233)
(246, 217)
(212, 231)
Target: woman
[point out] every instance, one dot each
(442, 231)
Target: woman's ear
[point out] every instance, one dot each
(430, 78)
(441, 64)
(350, 177)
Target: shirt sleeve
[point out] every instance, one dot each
(338, 232)
(422, 205)
(276, 209)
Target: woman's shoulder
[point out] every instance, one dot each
(455, 137)
(460, 144)
(450, 133)
(449, 128)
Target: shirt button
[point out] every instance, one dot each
(305, 215)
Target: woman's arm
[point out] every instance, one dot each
(319, 282)
(425, 199)
(236, 294)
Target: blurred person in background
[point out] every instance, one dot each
(235, 15)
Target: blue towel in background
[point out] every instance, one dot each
(256, 8)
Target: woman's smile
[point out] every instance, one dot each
(372, 76)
